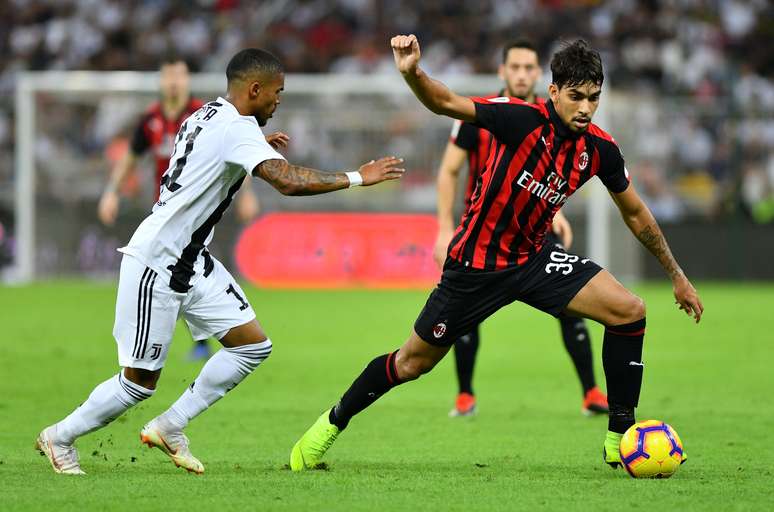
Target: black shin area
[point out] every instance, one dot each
(465, 350)
(378, 378)
(622, 360)
(578, 344)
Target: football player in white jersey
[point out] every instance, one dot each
(167, 272)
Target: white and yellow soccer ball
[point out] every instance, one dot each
(651, 449)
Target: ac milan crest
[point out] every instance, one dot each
(583, 160)
(439, 330)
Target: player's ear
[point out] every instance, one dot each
(501, 71)
(553, 92)
(254, 89)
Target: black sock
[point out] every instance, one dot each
(578, 344)
(378, 378)
(622, 360)
(465, 350)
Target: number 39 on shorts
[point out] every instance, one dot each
(562, 262)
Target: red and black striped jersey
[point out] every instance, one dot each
(534, 164)
(157, 133)
(476, 141)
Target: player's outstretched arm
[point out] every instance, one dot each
(641, 222)
(451, 163)
(432, 93)
(294, 180)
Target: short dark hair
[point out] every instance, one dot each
(172, 58)
(576, 63)
(524, 44)
(252, 60)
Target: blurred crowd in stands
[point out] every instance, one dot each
(698, 74)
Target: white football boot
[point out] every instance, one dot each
(173, 442)
(63, 458)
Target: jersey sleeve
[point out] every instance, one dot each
(508, 119)
(612, 168)
(246, 146)
(140, 143)
(464, 136)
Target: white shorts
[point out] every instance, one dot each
(147, 310)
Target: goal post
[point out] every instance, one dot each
(354, 115)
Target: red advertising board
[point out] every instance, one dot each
(339, 250)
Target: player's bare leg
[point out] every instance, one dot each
(415, 358)
(105, 403)
(622, 313)
(244, 348)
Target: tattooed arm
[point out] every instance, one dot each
(294, 180)
(641, 222)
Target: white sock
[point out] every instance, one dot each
(107, 402)
(222, 372)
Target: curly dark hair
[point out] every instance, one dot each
(575, 64)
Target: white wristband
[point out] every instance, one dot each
(355, 178)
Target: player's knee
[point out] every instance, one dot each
(142, 377)
(265, 348)
(252, 354)
(632, 309)
(412, 367)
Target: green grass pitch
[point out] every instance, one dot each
(529, 448)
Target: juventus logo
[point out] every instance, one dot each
(155, 351)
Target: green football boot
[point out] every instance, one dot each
(308, 451)
(610, 450)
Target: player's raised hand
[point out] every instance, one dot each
(377, 171)
(405, 49)
(687, 298)
(278, 140)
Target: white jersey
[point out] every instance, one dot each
(214, 150)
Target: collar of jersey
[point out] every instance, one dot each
(224, 101)
(560, 128)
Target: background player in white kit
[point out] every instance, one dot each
(166, 270)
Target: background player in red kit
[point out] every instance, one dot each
(156, 132)
(542, 154)
(520, 72)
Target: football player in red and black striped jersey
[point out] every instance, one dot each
(540, 155)
(520, 72)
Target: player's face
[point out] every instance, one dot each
(521, 72)
(174, 80)
(576, 104)
(266, 97)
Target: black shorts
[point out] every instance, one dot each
(466, 297)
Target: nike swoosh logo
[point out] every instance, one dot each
(635, 363)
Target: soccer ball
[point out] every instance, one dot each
(651, 449)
